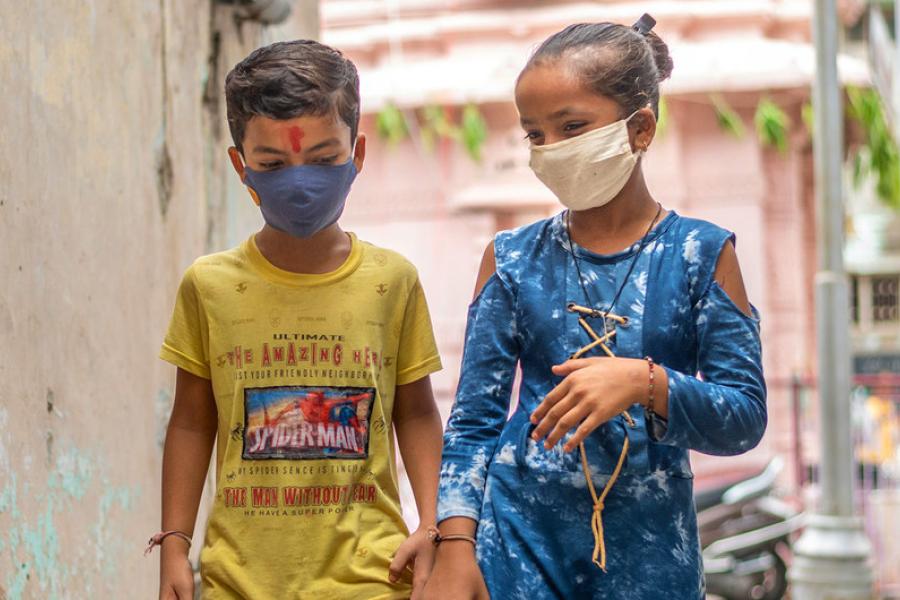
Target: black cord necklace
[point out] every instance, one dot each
(637, 255)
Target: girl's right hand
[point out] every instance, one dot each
(176, 577)
(455, 575)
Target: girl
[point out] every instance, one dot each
(610, 309)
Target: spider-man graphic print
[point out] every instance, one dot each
(298, 422)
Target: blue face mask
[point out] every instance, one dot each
(302, 200)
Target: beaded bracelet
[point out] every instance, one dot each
(651, 387)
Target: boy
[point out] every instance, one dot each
(300, 353)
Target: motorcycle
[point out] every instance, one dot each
(745, 534)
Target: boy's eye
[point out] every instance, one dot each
(325, 160)
(270, 166)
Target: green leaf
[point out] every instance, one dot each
(809, 117)
(879, 157)
(729, 121)
(662, 121)
(473, 131)
(436, 125)
(436, 118)
(860, 168)
(772, 125)
(391, 125)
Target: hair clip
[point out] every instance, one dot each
(645, 24)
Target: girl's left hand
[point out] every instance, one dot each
(417, 554)
(594, 391)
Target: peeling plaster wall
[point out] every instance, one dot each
(113, 177)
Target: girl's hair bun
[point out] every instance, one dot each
(661, 56)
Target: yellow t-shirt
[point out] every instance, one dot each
(304, 369)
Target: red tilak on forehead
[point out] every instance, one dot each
(295, 134)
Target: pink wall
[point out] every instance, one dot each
(403, 200)
(441, 208)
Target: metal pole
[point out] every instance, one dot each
(796, 413)
(831, 558)
(895, 76)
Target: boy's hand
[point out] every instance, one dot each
(416, 553)
(456, 574)
(176, 577)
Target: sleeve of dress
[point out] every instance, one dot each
(482, 400)
(722, 412)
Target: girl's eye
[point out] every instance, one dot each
(569, 127)
(532, 135)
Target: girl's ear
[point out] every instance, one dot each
(642, 129)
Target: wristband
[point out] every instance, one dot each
(434, 534)
(158, 538)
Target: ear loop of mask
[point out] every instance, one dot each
(253, 195)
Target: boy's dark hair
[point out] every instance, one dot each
(288, 79)
(613, 60)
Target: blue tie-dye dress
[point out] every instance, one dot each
(532, 505)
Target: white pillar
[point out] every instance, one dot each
(831, 559)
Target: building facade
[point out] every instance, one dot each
(426, 195)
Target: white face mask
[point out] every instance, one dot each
(587, 171)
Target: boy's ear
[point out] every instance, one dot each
(359, 155)
(236, 161)
(238, 165)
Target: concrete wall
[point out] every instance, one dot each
(112, 179)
